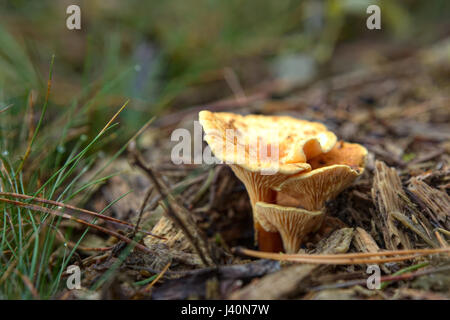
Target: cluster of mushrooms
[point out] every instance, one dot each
(312, 167)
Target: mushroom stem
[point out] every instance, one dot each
(254, 183)
(267, 241)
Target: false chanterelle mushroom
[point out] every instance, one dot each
(290, 168)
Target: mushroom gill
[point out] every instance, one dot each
(293, 224)
(300, 199)
(331, 173)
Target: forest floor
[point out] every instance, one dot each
(396, 105)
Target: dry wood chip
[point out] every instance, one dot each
(364, 242)
(435, 202)
(387, 194)
(175, 237)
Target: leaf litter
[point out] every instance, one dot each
(201, 215)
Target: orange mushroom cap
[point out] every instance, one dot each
(295, 140)
(331, 173)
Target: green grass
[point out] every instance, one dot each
(32, 261)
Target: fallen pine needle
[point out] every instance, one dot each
(163, 271)
(348, 258)
(92, 213)
(441, 241)
(6, 108)
(405, 270)
(66, 216)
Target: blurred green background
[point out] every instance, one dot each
(167, 55)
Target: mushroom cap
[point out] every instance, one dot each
(297, 140)
(331, 173)
(293, 224)
(343, 153)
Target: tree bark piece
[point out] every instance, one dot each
(387, 194)
(434, 202)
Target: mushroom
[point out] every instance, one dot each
(292, 223)
(300, 199)
(295, 142)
